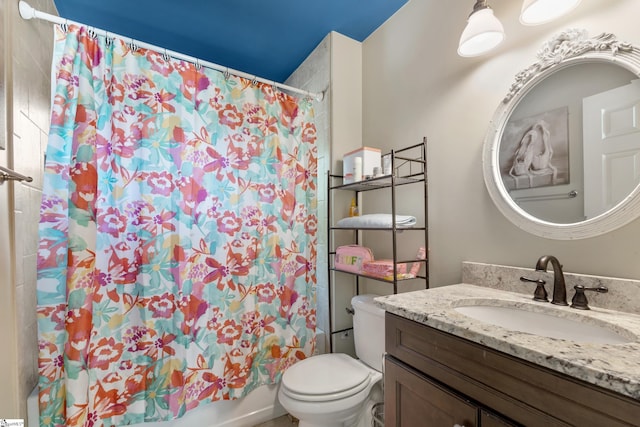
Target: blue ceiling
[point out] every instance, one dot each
(267, 38)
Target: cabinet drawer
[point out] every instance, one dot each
(412, 400)
(527, 393)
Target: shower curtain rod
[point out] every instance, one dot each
(28, 12)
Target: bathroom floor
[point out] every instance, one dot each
(283, 421)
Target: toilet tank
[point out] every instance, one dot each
(368, 330)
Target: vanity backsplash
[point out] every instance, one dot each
(623, 295)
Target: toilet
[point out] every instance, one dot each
(336, 390)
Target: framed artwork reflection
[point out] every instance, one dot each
(534, 150)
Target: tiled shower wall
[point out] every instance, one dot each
(314, 75)
(27, 60)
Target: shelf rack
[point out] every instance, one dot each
(408, 166)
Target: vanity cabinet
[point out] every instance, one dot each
(438, 379)
(418, 398)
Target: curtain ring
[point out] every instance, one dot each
(65, 26)
(166, 56)
(254, 81)
(198, 65)
(274, 86)
(132, 45)
(226, 74)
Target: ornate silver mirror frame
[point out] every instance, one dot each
(567, 49)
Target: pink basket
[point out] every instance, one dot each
(384, 268)
(352, 257)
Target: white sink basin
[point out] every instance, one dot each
(543, 324)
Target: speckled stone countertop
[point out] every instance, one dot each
(612, 366)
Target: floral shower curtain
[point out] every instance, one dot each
(177, 236)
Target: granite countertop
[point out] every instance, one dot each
(612, 366)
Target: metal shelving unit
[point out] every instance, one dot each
(409, 167)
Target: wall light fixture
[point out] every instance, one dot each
(483, 31)
(535, 12)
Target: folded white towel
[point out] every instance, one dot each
(377, 221)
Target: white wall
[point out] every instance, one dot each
(415, 85)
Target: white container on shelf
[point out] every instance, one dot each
(370, 158)
(357, 169)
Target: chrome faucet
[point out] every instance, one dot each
(559, 287)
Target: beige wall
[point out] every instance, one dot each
(414, 85)
(346, 135)
(346, 96)
(27, 50)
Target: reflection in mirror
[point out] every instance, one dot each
(551, 144)
(561, 157)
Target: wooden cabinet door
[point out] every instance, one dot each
(489, 419)
(413, 400)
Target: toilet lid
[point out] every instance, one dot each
(326, 374)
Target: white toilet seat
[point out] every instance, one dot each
(326, 377)
(326, 397)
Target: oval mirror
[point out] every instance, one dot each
(561, 157)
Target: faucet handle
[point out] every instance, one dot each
(540, 294)
(579, 299)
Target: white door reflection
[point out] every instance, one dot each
(611, 121)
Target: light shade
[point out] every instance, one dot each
(535, 12)
(483, 32)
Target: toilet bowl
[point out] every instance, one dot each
(336, 390)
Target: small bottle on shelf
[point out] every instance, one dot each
(353, 210)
